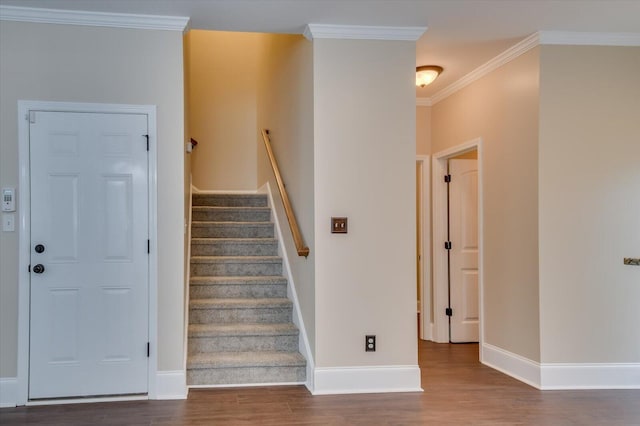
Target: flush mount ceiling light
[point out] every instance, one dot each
(426, 74)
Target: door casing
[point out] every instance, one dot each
(425, 236)
(439, 217)
(24, 227)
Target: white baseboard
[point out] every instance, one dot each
(171, 385)
(98, 399)
(511, 364)
(562, 376)
(8, 392)
(379, 379)
(248, 385)
(590, 376)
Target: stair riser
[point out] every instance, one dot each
(241, 291)
(241, 315)
(235, 269)
(232, 215)
(243, 375)
(230, 248)
(221, 200)
(199, 230)
(243, 343)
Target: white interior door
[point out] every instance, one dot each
(89, 213)
(463, 232)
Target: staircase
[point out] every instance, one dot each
(240, 328)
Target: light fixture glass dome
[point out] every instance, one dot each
(426, 74)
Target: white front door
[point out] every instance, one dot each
(463, 234)
(89, 254)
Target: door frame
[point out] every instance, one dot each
(426, 327)
(24, 228)
(439, 169)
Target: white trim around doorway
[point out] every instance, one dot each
(24, 195)
(439, 236)
(426, 326)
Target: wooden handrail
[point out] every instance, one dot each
(291, 217)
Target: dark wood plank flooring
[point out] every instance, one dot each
(458, 390)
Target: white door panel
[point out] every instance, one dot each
(463, 228)
(469, 298)
(89, 208)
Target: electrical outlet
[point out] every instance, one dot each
(370, 343)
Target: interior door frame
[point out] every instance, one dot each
(440, 284)
(426, 327)
(24, 228)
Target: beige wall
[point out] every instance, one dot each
(423, 130)
(364, 157)
(224, 70)
(88, 64)
(285, 107)
(186, 49)
(589, 204)
(502, 109)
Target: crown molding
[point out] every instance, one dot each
(589, 39)
(567, 38)
(361, 32)
(95, 19)
(507, 56)
(423, 102)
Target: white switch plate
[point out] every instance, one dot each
(8, 222)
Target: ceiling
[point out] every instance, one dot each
(461, 35)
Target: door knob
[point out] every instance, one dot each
(39, 248)
(38, 269)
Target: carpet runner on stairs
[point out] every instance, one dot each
(240, 326)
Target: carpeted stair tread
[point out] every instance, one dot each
(230, 200)
(200, 223)
(230, 222)
(231, 214)
(235, 280)
(235, 259)
(234, 247)
(242, 329)
(245, 359)
(231, 208)
(210, 229)
(259, 286)
(236, 265)
(239, 303)
(213, 240)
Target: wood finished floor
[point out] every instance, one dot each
(458, 390)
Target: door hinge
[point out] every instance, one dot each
(148, 246)
(447, 178)
(32, 117)
(147, 136)
(29, 268)
(449, 312)
(447, 245)
(148, 349)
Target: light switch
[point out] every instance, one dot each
(8, 222)
(338, 225)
